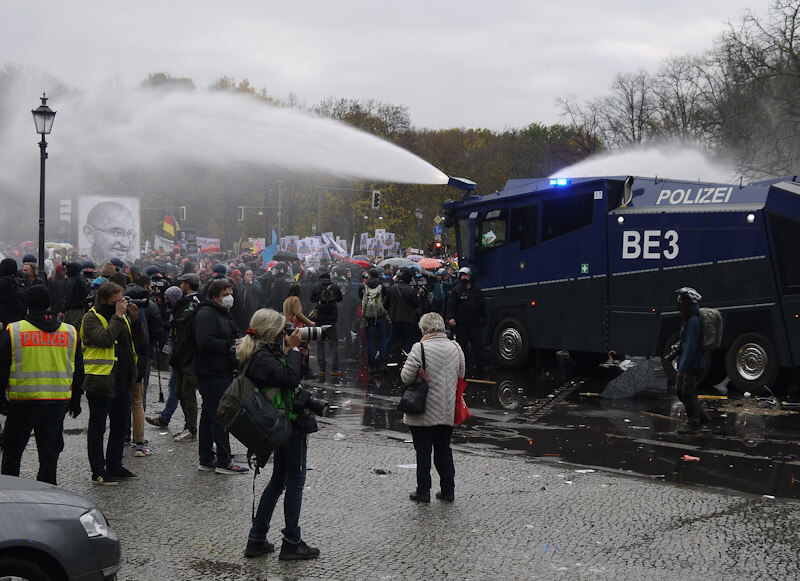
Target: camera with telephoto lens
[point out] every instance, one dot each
(305, 406)
(307, 333)
(673, 353)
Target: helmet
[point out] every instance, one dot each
(465, 270)
(117, 262)
(153, 270)
(690, 293)
(87, 264)
(29, 258)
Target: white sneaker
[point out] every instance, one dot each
(184, 436)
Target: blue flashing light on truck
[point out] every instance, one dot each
(591, 265)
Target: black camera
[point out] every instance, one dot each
(302, 399)
(305, 406)
(673, 353)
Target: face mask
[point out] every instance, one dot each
(227, 301)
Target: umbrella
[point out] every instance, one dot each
(397, 262)
(285, 255)
(415, 257)
(208, 249)
(430, 263)
(360, 257)
(362, 263)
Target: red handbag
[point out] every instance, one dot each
(462, 411)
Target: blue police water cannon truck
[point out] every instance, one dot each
(591, 265)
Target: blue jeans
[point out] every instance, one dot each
(288, 472)
(373, 328)
(172, 401)
(211, 430)
(406, 333)
(118, 411)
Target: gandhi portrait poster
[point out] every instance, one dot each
(108, 228)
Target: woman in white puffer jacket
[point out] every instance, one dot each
(444, 363)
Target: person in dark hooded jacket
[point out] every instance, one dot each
(402, 304)
(41, 412)
(76, 290)
(10, 293)
(327, 295)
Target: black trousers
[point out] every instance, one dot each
(436, 438)
(46, 420)
(117, 410)
(686, 386)
(471, 342)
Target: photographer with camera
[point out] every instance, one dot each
(278, 375)
(109, 333)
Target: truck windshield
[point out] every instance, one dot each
(493, 230)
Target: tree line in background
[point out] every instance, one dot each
(739, 100)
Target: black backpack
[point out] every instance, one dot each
(251, 418)
(184, 346)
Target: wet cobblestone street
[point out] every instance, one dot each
(513, 518)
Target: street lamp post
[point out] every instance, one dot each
(43, 117)
(418, 214)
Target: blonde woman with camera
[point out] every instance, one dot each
(273, 369)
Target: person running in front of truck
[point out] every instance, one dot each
(466, 313)
(691, 360)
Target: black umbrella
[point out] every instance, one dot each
(285, 255)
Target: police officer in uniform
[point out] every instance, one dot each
(466, 313)
(41, 364)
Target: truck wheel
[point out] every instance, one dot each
(511, 346)
(752, 362)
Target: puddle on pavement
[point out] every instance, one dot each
(749, 445)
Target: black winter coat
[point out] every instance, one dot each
(327, 314)
(266, 371)
(466, 305)
(215, 334)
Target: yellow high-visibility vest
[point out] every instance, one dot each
(101, 360)
(42, 363)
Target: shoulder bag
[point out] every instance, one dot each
(251, 418)
(414, 396)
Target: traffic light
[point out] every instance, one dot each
(376, 199)
(437, 247)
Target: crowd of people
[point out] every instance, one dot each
(114, 321)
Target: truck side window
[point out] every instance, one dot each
(524, 226)
(786, 240)
(462, 224)
(566, 214)
(492, 230)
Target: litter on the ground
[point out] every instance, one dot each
(688, 458)
(339, 436)
(584, 471)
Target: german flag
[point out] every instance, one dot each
(169, 226)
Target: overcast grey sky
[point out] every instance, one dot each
(461, 63)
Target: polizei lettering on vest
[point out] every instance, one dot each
(698, 195)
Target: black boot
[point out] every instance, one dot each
(258, 548)
(297, 551)
(420, 496)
